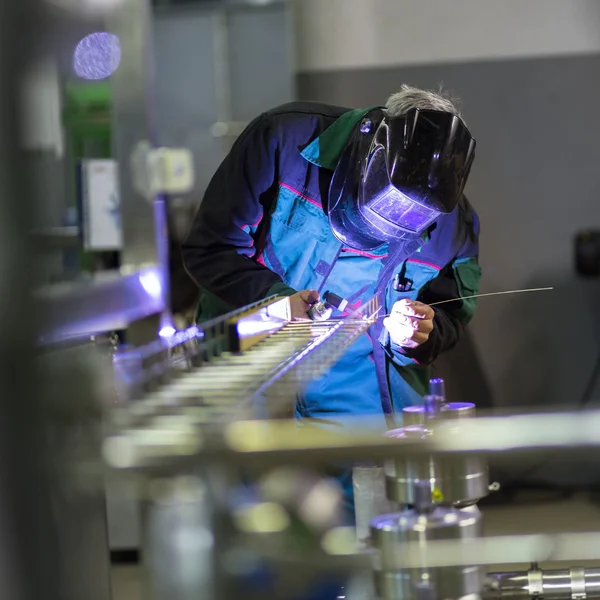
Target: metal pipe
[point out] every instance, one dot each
(179, 540)
(561, 584)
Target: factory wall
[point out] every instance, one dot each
(527, 72)
(218, 66)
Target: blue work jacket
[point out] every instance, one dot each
(262, 229)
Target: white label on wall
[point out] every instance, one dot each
(101, 207)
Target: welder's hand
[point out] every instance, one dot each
(301, 303)
(409, 323)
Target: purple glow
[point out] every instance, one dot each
(97, 56)
(167, 331)
(248, 328)
(397, 208)
(172, 337)
(151, 283)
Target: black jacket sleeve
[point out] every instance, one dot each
(447, 327)
(459, 279)
(218, 250)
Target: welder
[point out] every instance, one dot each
(360, 202)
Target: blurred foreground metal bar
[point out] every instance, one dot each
(249, 364)
(497, 550)
(179, 540)
(181, 441)
(561, 584)
(344, 555)
(107, 302)
(29, 547)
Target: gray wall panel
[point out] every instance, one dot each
(535, 182)
(261, 62)
(185, 95)
(259, 75)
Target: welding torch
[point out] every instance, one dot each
(322, 310)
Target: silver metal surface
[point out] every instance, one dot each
(179, 540)
(454, 479)
(258, 383)
(29, 548)
(370, 499)
(458, 410)
(562, 584)
(415, 415)
(267, 443)
(145, 232)
(74, 430)
(107, 302)
(498, 550)
(389, 532)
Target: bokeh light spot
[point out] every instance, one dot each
(97, 56)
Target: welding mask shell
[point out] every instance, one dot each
(397, 176)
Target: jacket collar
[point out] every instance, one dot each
(325, 150)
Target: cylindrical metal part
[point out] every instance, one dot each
(437, 387)
(433, 406)
(370, 499)
(457, 480)
(423, 497)
(320, 311)
(561, 584)
(415, 415)
(179, 540)
(458, 410)
(389, 531)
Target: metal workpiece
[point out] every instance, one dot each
(389, 532)
(416, 415)
(575, 583)
(106, 302)
(457, 480)
(437, 387)
(227, 387)
(453, 480)
(322, 310)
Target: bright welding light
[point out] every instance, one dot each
(248, 328)
(151, 283)
(97, 56)
(173, 337)
(167, 331)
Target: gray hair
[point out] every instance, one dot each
(409, 97)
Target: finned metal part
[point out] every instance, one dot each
(575, 583)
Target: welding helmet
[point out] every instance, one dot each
(397, 176)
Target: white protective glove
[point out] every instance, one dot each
(409, 323)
